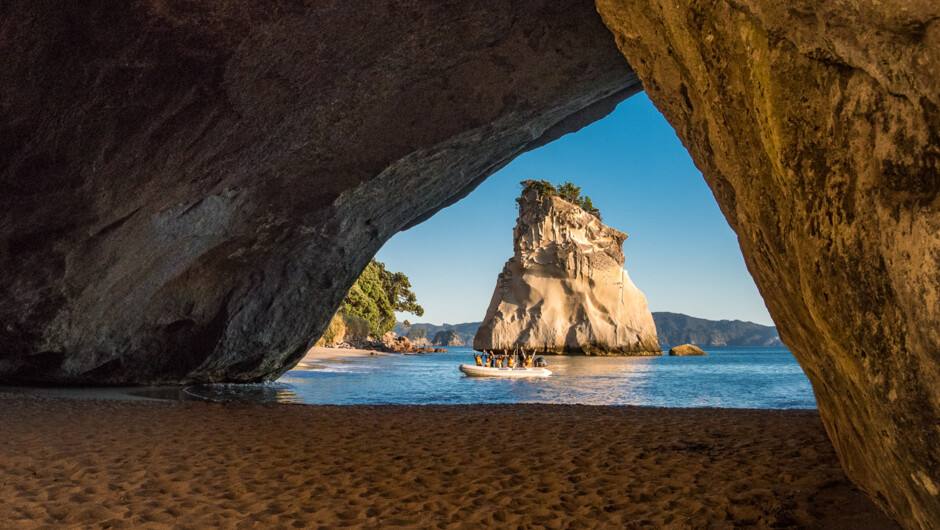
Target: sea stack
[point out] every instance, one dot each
(564, 291)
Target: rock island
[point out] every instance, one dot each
(565, 291)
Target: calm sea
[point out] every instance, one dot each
(735, 377)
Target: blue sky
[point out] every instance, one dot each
(681, 252)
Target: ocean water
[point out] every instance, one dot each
(733, 377)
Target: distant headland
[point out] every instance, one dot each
(672, 329)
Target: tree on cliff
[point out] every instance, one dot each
(377, 295)
(566, 191)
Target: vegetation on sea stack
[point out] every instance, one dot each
(565, 190)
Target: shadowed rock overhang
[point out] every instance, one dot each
(189, 189)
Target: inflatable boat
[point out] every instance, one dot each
(486, 371)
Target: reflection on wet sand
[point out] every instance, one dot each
(251, 393)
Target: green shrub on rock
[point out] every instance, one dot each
(565, 190)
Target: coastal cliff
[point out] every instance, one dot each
(190, 191)
(188, 194)
(817, 127)
(565, 290)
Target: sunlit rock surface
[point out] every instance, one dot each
(686, 350)
(190, 188)
(565, 290)
(817, 127)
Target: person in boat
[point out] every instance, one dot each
(478, 357)
(528, 359)
(511, 361)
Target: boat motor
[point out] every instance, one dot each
(540, 362)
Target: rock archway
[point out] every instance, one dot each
(817, 128)
(188, 189)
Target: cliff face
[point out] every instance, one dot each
(817, 127)
(447, 338)
(565, 290)
(188, 189)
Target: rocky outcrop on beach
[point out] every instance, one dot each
(391, 343)
(565, 290)
(686, 350)
(421, 343)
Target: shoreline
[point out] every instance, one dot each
(81, 462)
(318, 354)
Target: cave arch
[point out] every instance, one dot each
(180, 177)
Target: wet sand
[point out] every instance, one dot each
(318, 354)
(127, 464)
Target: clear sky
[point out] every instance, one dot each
(681, 252)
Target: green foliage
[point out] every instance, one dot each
(376, 295)
(565, 190)
(569, 192)
(544, 187)
(406, 324)
(417, 333)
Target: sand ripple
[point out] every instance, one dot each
(156, 465)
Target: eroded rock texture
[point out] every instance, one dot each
(816, 125)
(564, 289)
(188, 189)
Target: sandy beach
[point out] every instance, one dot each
(318, 354)
(126, 464)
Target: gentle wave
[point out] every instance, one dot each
(767, 378)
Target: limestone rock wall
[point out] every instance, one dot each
(817, 127)
(565, 290)
(188, 189)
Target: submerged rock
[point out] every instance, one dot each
(565, 290)
(686, 350)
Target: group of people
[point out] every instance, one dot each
(492, 360)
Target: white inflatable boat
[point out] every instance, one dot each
(486, 371)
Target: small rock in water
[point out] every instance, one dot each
(686, 350)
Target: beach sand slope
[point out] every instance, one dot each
(125, 464)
